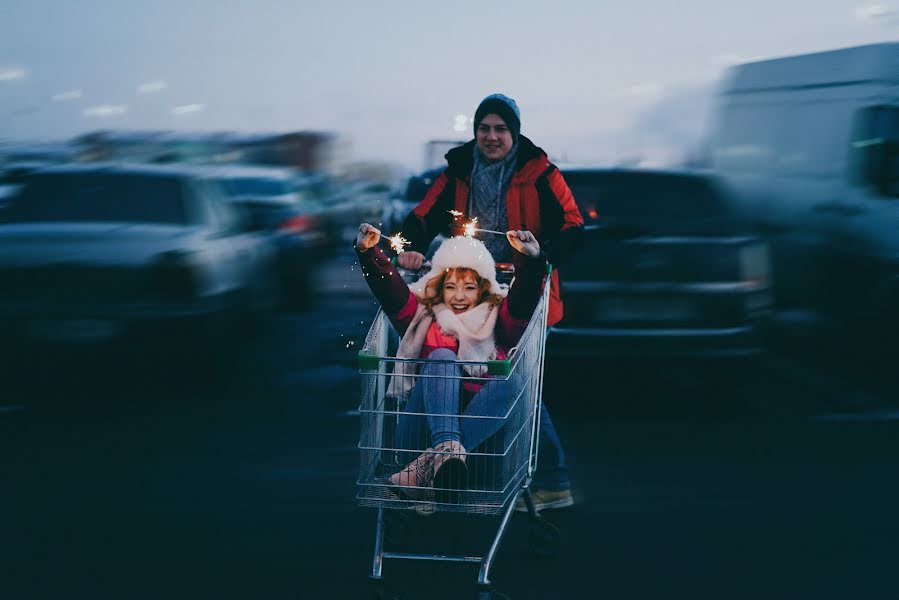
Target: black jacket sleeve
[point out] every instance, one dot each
(384, 280)
(431, 217)
(527, 287)
(561, 220)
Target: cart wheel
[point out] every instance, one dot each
(544, 538)
(396, 526)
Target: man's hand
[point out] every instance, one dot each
(524, 242)
(367, 238)
(410, 260)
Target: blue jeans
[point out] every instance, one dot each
(437, 393)
(552, 469)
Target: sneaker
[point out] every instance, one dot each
(425, 509)
(418, 474)
(544, 499)
(450, 471)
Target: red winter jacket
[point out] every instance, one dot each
(538, 200)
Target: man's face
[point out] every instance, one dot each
(494, 138)
(460, 291)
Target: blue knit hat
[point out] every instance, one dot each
(504, 107)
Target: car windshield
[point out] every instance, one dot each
(637, 196)
(258, 186)
(98, 197)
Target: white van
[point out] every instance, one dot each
(810, 146)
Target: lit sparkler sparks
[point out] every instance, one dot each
(471, 228)
(397, 242)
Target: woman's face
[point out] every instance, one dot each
(460, 291)
(494, 138)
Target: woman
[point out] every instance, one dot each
(455, 312)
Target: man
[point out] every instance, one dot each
(507, 183)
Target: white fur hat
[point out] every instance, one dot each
(461, 252)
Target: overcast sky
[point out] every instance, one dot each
(595, 80)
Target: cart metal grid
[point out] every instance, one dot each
(498, 396)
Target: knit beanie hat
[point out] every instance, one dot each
(463, 252)
(504, 107)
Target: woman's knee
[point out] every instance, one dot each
(441, 369)
(443, 354)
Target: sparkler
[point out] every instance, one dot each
(502, 233)
(397, 242)
(470, 229)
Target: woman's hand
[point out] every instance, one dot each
(524, 242)
(367, 238)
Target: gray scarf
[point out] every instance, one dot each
(487, 202)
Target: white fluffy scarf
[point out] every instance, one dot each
(473, 329)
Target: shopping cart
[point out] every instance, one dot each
(499, 470)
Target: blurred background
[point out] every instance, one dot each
(611, 84)
(181, 308)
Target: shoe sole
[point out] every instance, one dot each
(560, 503)
(452, 477)
(423, 506)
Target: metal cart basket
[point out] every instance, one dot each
(499, 402)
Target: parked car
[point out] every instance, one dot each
(402, 203)
(28, 157)
(370, 198)
(663, 273)
(9, 187)
(103, 252)
(810, 146)
(292, 219)
(341, 212)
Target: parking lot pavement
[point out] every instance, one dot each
(123, 480)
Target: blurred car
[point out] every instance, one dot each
(663, 272)
(402, 203)
(810, 145)
(292, 219)
(9, 187)
(370, 199)
(96, 253)
(341, 213)
(29, 157)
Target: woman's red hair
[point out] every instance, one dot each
(434, 287)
